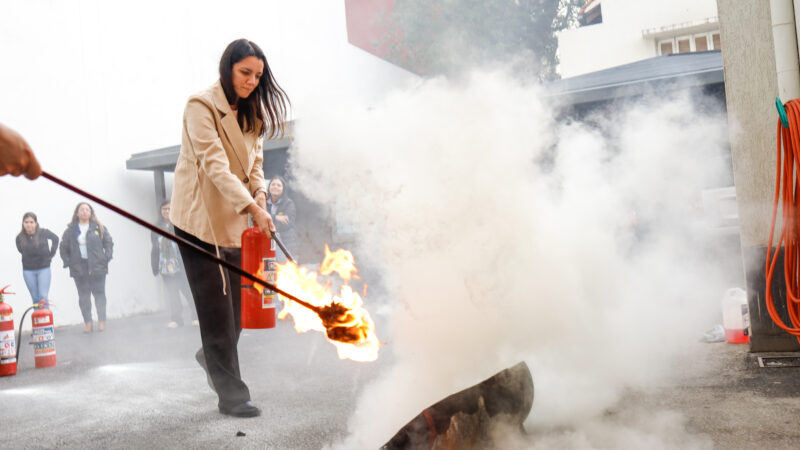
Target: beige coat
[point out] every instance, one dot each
(218, 171)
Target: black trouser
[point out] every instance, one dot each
(220, 317)
(174, 286)
(88, 285)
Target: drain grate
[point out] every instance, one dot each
(779, 361)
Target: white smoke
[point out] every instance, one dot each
(505, 235)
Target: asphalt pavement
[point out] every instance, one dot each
(137, 385)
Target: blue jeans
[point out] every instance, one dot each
(38, 282)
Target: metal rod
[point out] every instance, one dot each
(182, 242)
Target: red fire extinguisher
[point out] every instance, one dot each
(258, 258)
(44, 338)
(8, 344)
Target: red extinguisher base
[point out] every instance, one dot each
(43, 362)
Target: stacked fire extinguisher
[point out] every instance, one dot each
(43, 336)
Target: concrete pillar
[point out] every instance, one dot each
(160, 185)
(760, 58)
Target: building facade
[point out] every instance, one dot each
(617, 32)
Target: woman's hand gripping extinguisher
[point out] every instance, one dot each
(8, 344)
(258, 302)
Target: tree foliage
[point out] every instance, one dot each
(435, 37)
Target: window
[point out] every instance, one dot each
(590, 13)
(685, 44)
(700, 43)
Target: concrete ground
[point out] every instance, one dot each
(728, 400)
(726, 395)
(137, 386)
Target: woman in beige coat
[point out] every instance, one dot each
(219, 180)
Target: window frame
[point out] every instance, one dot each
(708, 35)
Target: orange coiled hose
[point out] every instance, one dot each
(787, 194)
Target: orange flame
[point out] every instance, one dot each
(259, 274)
(353, 331)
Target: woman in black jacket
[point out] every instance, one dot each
(38, 246)
(282, 209)
(86, 248)
(165, 260)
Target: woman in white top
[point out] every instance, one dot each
(86, 248)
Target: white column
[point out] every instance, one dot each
(784, 34)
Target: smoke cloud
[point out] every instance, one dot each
(504, 233)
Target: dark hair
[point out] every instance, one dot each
(92, 218)
(267, 98)
(283, 182)
(23, 233)
(162, 205)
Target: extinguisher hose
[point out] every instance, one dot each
(283, 247)
(787, 196)
(183, 242)
(19, 334)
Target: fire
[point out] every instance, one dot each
(259, 274)
(346, 324)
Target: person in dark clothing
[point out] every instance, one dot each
(86, 248)
(282, 209)
(38, 246)
(165, 260)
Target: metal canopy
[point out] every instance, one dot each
(164, 159)
(666, 72)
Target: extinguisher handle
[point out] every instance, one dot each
(283, 247)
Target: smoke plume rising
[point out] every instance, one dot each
(503, 233)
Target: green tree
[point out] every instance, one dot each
(444, 37)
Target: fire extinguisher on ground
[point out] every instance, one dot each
(8, 345)
(43, 336)
(258, 257)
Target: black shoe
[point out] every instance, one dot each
(201, 359)
(245, 409)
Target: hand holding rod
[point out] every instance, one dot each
(184, 243)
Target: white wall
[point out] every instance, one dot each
(618, 40)
(90, 82)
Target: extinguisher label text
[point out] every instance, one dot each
(43, 334)
(268, 301)
(270, 266)
(44, 348)
(8, 345)
(41, 320)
